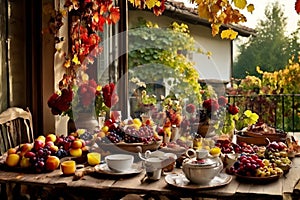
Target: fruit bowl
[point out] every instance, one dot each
(258, 180)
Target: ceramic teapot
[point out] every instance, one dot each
(202, 171)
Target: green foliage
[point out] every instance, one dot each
(277, 100)
(157, 54)
(270, 49)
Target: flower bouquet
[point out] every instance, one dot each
(83, 101)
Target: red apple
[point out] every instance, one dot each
(25, 148)
(29, 154)
(49, 143)
(52, 163)
(38, 144)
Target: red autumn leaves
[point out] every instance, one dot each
(213, 105)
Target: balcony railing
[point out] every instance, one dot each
(281, 111)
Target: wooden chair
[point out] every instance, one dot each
(15, 129)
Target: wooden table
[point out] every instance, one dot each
(108, 187)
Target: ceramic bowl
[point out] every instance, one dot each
(119, 162)
(202, 173)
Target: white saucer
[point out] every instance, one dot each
(136, 168)
(179, 180)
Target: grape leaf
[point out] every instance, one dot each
(241, 4)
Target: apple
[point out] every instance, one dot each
(54, 148)
(71, 137)
(75, 152)
(25, 162)
(76, 144)
(12, 160)
(59, 141)
(29, 154)
(67, 145)
(83, 142)
(52, 163)
(51, 137)
(49, 143)
(38, 144)
(25, 148)
(11, 151)
(41, 138)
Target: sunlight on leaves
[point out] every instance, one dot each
(241, 4)
(229, 34)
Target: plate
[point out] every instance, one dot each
(258, 180)
(103, 169)
(180, 181)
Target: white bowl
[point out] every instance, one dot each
(119, 162)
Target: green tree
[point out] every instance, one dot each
(270, 49)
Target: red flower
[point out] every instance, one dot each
(232, 109)
(109, 95)
(297, 6)
(211, 105)
(190, 108)
(222, 101)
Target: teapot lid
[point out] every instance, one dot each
(203, 162)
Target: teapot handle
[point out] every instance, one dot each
(190, 153)
(147, 153)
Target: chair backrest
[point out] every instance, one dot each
(15, 128)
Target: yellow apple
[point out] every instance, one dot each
(54, 148)
(51, 137)
(25, 162)
(12, 160)
(11, 151)
(41, 138)
(52, 163)
(76, 152)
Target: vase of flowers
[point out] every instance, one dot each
(217, 116)
(83, 101)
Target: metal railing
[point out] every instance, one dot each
(281, 111)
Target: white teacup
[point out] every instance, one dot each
(119, 162)
(199, 153)
(153, 168)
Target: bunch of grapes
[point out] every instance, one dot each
(114, 137)
(246, 165)
(64, 142)
(38, 158)
(61, 153)
(144, 134)
(225, 145)
(243, 147)
(86, 136)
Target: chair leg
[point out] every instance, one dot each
(3, 194)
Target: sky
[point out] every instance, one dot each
(259, 13)
(288, 7)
